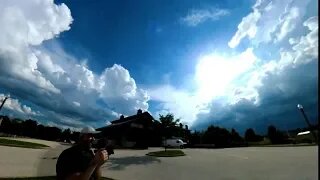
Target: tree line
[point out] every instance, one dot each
(169, 127)
(166, 127)
(31, 128)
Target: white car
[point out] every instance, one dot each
(174, 143)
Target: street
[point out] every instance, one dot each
(226, 164)
(233, 163)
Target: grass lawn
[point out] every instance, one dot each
(40, 178)
(168, 153)
(16, 143)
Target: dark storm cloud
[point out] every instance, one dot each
(279, 96)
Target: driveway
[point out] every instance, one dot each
(18, 162)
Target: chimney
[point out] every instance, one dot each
(139, 111)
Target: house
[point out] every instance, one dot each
(130, 132)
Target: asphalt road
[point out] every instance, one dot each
(259, 163)
(253, 163)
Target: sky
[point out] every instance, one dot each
(73, 63)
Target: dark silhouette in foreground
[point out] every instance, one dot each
(79, 161)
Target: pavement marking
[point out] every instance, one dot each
(241, 157)
(264, 150)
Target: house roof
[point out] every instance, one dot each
(145, 115)
(125, 120)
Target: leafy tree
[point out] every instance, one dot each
(66, 135)
(196, 137)
(220, 137)
(272, 133)
(250, 135)
(168, 125)
(5, 125)
(275, 136)
(180, 125)
(236, 139)
(168, 120)
(30, 128)
(41, 133)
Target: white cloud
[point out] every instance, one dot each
(63, 86)
(31, 22)
(119, 90)
(260, 81)
(306, 49)
(179, 102)
(288, 23)
(303, 51)
(76, 103)
(15, 106)
(247, 26)
(269, 21)
(214, 74)
(25, 24)
(271, 93)
(198, 16)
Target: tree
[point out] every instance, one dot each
(168, 125)
(250, 135)
(66, 135)
(275, 136)
(180, 125)
(5, 125)
(220, 137)
(272, 134)
(168, 120)
(196, 138)
(236, 139)
(29, 128)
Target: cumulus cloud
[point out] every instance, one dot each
(14, 105)
(279, 86)
(183, 104)
(256, 92)
(198, 16)
(269, 21)
(210, 84)
(23, 27)
(61, 86)
(247, 27)
(288, 23)
(118, 89)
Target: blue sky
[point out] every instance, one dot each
(80, 62)
(144, 38)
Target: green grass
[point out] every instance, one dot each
(30, 178)
(42, 178)
(168, 153)
(23, 144)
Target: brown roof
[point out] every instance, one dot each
(124, 120)
(134, 117)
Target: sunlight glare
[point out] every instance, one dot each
(214, 73)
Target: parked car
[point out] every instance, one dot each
(174, 143)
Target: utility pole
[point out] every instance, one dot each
(5, 98)
(300, 107)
